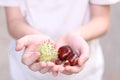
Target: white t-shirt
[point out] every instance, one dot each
(55, 18)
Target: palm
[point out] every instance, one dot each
(30, 43)
(80, 46)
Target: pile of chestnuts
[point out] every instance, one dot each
(66, 56)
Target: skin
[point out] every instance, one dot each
(30, 38)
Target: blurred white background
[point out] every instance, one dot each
(110, 43)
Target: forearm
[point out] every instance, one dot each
(94, 29)
(17, 25)
(98, 24)
(19, 28)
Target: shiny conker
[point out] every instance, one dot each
(74, 60)
(58, 62)
(64, 52)
(66, 56)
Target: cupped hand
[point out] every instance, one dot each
(80, 47)
(30, 43)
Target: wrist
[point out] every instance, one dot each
(80, 34)
(83, 32)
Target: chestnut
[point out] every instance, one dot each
(70, 56)
(66, 56)
(74, 60)
(58, 62)
(64, 52)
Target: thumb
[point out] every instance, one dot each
(82, 60)
(84, 55)
(21, 43)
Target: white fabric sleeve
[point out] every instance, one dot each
(104, 2)
(8, 3)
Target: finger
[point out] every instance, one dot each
(44, 70)
(61, 68)
(35, 66)
(30, 58)
(55, 68)
(84, 54)
(43, 67)
(55, 73)
(31, 48)
(83, 58)
(73, 69)
(21, 43)
(67, 73)
(49, 65)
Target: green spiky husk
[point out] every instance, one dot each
(48, 52)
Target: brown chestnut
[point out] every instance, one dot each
(74, 60)
(64, 52)
(66, 56)
(70, 56)
(58, 62)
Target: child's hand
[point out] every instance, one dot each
(80, 46)
(30, 56)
